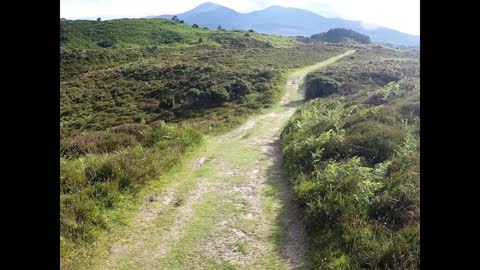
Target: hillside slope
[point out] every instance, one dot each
(124, 33)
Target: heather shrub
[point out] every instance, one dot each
(320, 86)
(80, 218)
(93, 184)
(354, 163)
(133, 129)
(95, 143)
(373, 141)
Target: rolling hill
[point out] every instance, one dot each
(337, 35)
(272, 20)
(127, 33)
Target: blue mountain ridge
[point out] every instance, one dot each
(285, 21)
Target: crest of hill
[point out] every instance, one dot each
(338, 35)
(126, 33)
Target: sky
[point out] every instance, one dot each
(402, 15)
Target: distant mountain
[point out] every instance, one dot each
(285, 21)
(210, 15)
(338, 35)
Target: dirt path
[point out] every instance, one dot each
(232, 209)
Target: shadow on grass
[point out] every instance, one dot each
(289, 237)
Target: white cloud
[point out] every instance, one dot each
(403, 15)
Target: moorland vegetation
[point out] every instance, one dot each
(130, 112)
(353, 156)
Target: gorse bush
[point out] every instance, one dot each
(354, 164)
(319, 86)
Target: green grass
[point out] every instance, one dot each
(127, 33)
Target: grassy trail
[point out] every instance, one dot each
(229, 208)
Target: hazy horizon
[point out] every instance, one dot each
(403, 16)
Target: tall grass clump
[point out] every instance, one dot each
(96, 180)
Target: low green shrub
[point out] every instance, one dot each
(134, 129)
(160, 132)
(340, 187)
(404, 253)
(354, 162)
(100, 169)
(95, 143)
(375, 99)
(80, 218)
(320, 86)
(373, 141)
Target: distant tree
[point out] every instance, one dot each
(181, 21)
(99, 19)
(247, 34)
(219, 28)
(206, 28)
(175, 18)
(251, 31)
(200, 40)
(195, 25)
